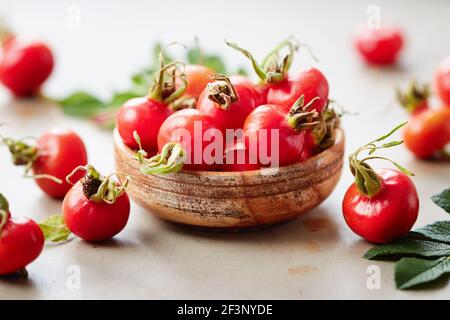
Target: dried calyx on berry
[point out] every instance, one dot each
(415, 97)
(367, 181)
(325, 132)
(301, 116)
(4, 212)
(169, 81)
(222, 92)
(275, 66)
(100, 188)
(170, 160)
(25, 155)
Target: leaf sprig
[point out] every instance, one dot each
(54, 229)
(424, 254)
(83, 104)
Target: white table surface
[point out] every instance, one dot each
(315, 256)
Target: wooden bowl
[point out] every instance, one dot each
(234, 200)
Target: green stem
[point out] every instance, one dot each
(166, 88)
(276, 68)
(25, 155)
(367, 181)
(258, 69)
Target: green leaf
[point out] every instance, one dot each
(157, 47)
(215, 63)
(119, 98)
(409, 247)
(194, 55)
(81, 104)
(438, 231)
(410, 272)
(54, 229)
(143, 78)
(242, 71)
(443, 200)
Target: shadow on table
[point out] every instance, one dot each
(114, 243)
(18, 281)
(317, 226)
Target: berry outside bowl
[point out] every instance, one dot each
(234, 200)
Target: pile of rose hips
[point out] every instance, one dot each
(189, 108)
(427, 134)
(95, 207)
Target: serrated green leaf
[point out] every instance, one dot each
(410, 272)
(54, 229)
(409, 247)
(438, 231)
(443, 200)
(81, 104)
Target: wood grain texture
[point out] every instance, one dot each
(234, 200)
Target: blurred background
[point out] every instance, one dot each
(99, 44)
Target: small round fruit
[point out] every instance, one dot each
(379, 46)
(268, 134)
(21, 241)
(310, 83)
(197, 78)
(386, 216)
(188, 127)
(59, 152)
(428, 132)
(92, 214)
(25, 65)
(237, 158)
(144, 116)
(229, 101)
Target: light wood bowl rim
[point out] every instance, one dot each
(339, 140)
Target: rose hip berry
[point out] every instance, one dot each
(381, 205)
